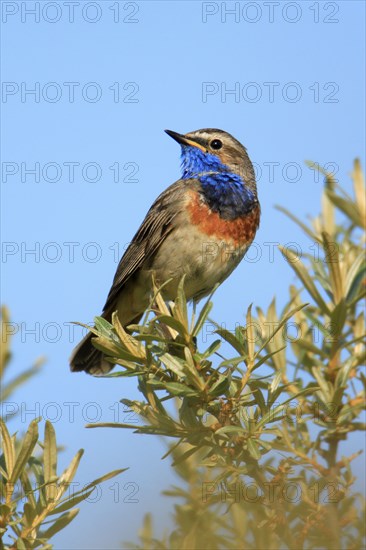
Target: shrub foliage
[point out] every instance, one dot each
(257, 434)
(257, 420)
(36, 501)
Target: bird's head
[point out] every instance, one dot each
(213, 150)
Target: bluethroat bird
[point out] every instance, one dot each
(200, 227)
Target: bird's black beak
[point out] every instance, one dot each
(183, 140)
(178, 137)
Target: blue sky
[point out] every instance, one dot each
(287, 80)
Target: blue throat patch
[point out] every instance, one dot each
(224, 191)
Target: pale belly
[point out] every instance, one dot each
(205, 261)
(206, 256)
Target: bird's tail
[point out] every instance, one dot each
(86, 357)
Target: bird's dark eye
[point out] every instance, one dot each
(216, 144)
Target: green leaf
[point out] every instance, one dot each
(253, 449)
(325, 387)
(114, 350)
(79, 496)
(343, 374)
(9, 451)
(60, 523)
(355, 277)
(265, 358)
(180, 305)
(29, 513)
(233, 362)
(70, 503)
(179, 389)
(271, 415)
(309, 346)
(103, 327)
(274, 385)
(332, 260)
(28, 489)
(29, 442)
(182, 457)
(359, 187)
(202, 318)
(21, 544)
(221, 385)
(49, 452)
(105, 477)
(173, 364)
(69, 473)
(278, 328)
(111, 425)
(338, 319)
(305, 278)
(250, 335)
(231, 430)
(210, 350)
(258, 397)
(4, 509)
(299, 223)
(191, 372)
(172, 323)
(232, 340)
(347, 207)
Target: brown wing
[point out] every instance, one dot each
(152, 232)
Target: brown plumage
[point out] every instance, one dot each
(172, 240)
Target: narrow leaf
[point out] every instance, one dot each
(250, 337)
(253, 449)
(333, 261)
(305, 278)
(304, 227)
(60, 523)
(29, 442)
(232, 340)
(69, 473)
(49, 452)
(202, 318)
(9, 451)
(105, 477)
(173, 364)
(278, 328)
(70, 503)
